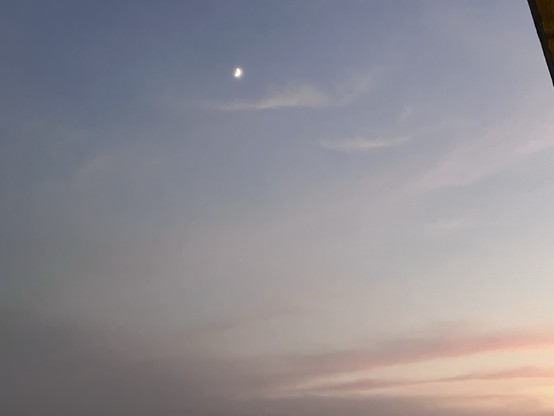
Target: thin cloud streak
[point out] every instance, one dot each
(418, 349)
(299, 96)
(513, 373)
(499, 148)
(378, 384)
(362, 143)
(304, 96)
(539, 143)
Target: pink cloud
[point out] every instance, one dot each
(419, 349)
(375, 384)
(513, 373)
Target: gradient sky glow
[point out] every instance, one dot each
(361, 224)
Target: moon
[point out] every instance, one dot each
(238, 72)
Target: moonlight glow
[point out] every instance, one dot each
(238, 72)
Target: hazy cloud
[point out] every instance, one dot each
(381, 383)
(55, 368)
(497, 149)
(304, 96)
(362, 143)
(538, 142)
(419, 349)
(299, 96)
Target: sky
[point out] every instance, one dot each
(361, 224)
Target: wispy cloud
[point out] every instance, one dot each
(495, 151)
(512, 373)
(539, 142)
(303, 96)
(299, 96)
(362, 143)
(382, 383)
(419, 349)
(100, 371)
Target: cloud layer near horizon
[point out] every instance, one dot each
(51, 366)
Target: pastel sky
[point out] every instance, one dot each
(361, 224)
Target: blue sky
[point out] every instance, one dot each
(363, 217)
